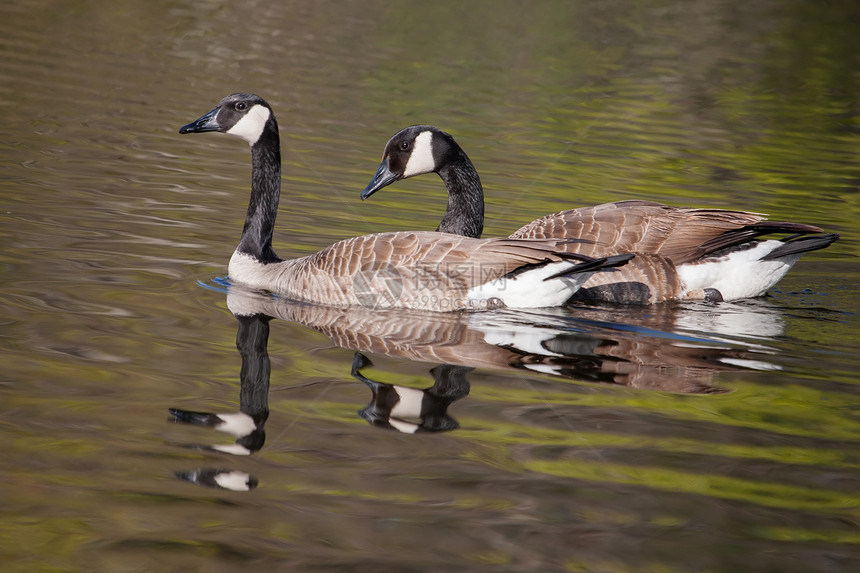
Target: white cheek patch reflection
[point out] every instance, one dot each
(234, 481)
(421, 159)
(250, 127)
(238, 424)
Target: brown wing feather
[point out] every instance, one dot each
(425, 270)
(644, 280)
(677, 233)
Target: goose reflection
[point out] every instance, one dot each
(671, 348)
(220, 479)
(248, 424)
(410, 410)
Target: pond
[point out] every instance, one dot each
(155, 417)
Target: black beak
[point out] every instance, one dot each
(383, 177)
(208, 122)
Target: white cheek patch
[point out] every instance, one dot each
(250, 127)
(421, 159)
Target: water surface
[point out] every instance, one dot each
(686, 437)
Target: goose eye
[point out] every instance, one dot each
(241, 105)
(404, 145)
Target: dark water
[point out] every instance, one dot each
(673, 438)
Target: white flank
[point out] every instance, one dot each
(529, 289)
(235, 481)
(238, 425)
(741, 274)
(250, 127)
(409, 405)
(421, 158)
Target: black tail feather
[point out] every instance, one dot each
(802, 245)
(595, 265)
(754, 231)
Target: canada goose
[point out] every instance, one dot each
(418, 270)
(710, 254)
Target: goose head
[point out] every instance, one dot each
(414, 150)
(244, 115)
(249, 116)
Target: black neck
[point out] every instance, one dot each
(252, 340)
(465, 212)
(265, 191)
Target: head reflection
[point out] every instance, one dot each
(409, 410)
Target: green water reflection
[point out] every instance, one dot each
(109, 220)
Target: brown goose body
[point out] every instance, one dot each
(416, 270)
(680, 252)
